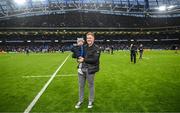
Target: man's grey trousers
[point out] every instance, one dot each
(82, 80)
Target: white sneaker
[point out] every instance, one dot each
(80, 71)
(78, 105)
(90, 105)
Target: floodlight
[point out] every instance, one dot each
(162, 8)
(38, 0)
(170, 7)
(20, 2)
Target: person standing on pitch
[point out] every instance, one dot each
(141, 51)
(133, 50)
(112, 50)
(90, 65)
(27, 51)
(176, 49)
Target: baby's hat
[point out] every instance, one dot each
(80, 39)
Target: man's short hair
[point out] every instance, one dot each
(90, 33)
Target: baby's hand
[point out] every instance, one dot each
(81, 59)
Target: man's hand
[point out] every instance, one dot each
(81, 59)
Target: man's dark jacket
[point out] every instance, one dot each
(91, 60)
(133, 49)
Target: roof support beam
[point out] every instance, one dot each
(2, 9)
(146, 4)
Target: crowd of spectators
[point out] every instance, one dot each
(68, 47)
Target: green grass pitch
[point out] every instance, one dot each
(151, 85)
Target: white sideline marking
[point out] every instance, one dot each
(47, 76)
(31, 105)
(69, 75)
(146, 58)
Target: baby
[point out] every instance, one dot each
(78, 52)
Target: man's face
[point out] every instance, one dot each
(90, 39)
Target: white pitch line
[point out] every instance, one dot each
(69, 75)
(39, 76)
(146, 58)
(31, 105)
(47, 76)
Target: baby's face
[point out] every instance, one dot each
(80, 43)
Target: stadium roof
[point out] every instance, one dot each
(154, 8)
